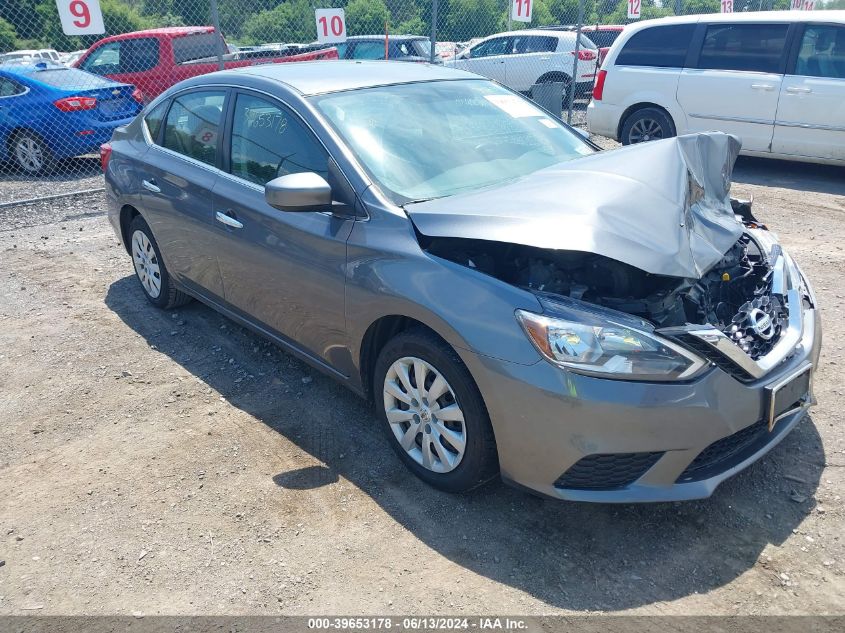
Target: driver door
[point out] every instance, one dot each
(283, 271)
(489, 59)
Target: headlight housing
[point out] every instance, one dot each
(607, 349)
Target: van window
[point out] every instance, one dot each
(822, 52)
(747, 47)
(659, 46)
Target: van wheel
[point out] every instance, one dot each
(647, 124)
(433, 414)
(150, 270)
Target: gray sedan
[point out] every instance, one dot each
(596, 326)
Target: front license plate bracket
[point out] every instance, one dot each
(789, 394)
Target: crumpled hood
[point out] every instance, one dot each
(662, 206)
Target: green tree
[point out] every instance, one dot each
(23, 17)
(292, 21)
(566, 11)
(366, 17)
(8, 36)
(117, 18)
(467, 19)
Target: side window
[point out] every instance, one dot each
(9, 88)
(154, 119)
(747, 47)
(534, 44)
(193, 125)
(137, 55)
(658, 46)
(105, 60)
(268, 142)
(195, 46)
(822, 52)
(496, 46)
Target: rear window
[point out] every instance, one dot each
(586, 42)
(659, 46)
(197, 46)
(748, 47)
(534, 44)
(69, 78)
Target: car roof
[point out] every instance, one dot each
(320, 77)
(165, 32)
(380, 38)
(542, 32)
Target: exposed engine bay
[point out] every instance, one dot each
(735, 295)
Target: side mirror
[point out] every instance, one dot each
(299, 192)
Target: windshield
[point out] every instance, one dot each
(434, 139)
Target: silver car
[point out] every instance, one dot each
(595, 326)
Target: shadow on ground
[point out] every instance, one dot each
(790, 175)
(569, 555)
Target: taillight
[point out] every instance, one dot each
(598, 89)
(75, 104)
(138, 95)
(105, 155)
(585, 54)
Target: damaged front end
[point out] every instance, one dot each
(654, 292)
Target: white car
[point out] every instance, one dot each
(521, 59)
(44, 54)
(775, 79)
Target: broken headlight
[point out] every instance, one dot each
(608, 349)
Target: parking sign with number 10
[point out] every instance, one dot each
(331, 26)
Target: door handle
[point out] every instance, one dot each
(228, 220)
(151, 186)
(798, 90)
(766, 87)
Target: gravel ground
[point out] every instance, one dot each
(174, 463)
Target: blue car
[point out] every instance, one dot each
(50, 112)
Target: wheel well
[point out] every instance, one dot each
(127, 214)
(376, 337)
(635, 108)
(554, 76)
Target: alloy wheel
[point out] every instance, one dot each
(29, 153)
(645, 130)
(424, 414)
(146, 264)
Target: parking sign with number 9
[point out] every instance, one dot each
(81, 17)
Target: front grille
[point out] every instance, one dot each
(727, 452)
(714, 356)
(611, 471)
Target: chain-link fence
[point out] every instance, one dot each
(62, 95)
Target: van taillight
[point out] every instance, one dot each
(105, 155)
(598, 89)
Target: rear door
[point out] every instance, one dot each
(532, 56)
(811, 111)
(734, 82)
(177, 175)
(284, 270)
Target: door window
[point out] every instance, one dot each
(658, 46)
(127, 56)
(822, 52)
(193, 124)
(496, 46)
(746, 47)
(9, 88)
(534, 44)
(154, 120)
(268, 141)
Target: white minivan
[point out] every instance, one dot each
(775, 79)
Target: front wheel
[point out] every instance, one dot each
(647, 124)
(433, 414)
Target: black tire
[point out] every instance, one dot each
(479, 463)
(647, 124)
(168, 295)
(30, 154)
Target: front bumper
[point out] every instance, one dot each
(559, 433)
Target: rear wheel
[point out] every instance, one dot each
(433, 414)
(647, 124)
(30, 153)
(149, 268)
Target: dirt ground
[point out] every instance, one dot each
(174, 463)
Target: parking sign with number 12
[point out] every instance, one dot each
(634, 9)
